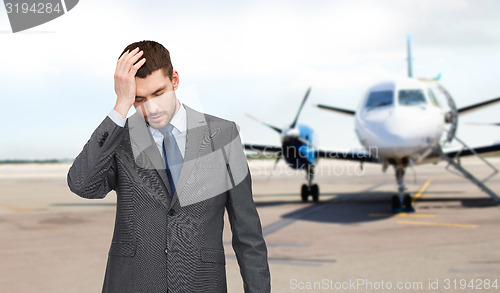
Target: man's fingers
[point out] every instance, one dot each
(137, 66)
(133, 59)
(122, 61)
(131, 54)
(123, 55)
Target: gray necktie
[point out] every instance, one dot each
(173, 156)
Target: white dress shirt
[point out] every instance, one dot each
(179, 121)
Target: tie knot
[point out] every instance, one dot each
(168, 130)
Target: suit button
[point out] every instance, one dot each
(171, 213)
(105, 134)
(101, 143)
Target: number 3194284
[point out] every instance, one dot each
(34, 8)
(474, 284)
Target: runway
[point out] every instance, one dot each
(53, 241)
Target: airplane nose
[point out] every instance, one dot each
(404, 128)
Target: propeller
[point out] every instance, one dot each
(478, 123)
(279, 156)
(306, 143)
(300, 108)
(452, 116)
(280, 131)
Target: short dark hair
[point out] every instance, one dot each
(157, 57)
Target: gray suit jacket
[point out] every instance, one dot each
(164, 242)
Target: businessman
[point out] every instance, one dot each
(175, 172)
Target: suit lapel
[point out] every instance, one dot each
(197, 130)
(143, 144)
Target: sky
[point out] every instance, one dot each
(258, 57)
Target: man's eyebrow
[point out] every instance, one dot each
(155, 92)
(159, 90)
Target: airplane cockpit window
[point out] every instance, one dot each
(411, 97)
(379, 99)
(432, 97)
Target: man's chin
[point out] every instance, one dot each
(158, 125)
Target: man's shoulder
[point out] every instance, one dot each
(215, 119)
(212, 119)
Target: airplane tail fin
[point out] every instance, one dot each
(409, 57)
(409, 60)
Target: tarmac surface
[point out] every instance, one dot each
(53, 241)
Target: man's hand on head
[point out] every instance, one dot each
(125, 87)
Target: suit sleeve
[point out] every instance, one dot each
(92, 174)
(248, 242)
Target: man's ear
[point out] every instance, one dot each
(175, 79)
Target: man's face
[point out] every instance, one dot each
(155, 98)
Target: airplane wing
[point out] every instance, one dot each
(338, 110)
(365, 157)
(262, 148)
(434, 156)
(360, 156)
(468, 152)
(461, 111)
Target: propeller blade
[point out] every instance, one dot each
(478, 106)
(274, 167)
(478, 123)
(306, 142)
(277, 129)
(300, 108)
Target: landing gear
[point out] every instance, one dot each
(400, 178)
(315, 192)
(396, 204)
(405, 206)
(306, 191)
(402, 202)
(310, 188)
(408, 203)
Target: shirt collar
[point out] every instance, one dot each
(179, 119)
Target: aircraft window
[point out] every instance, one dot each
(378, 99)
(432, 97)
(411, 97)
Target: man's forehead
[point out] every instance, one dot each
(152, 83)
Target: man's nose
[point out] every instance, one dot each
(151, 106)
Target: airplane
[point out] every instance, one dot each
(299, 150)
(400, 123)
